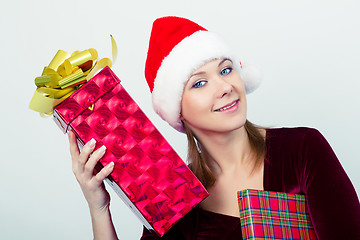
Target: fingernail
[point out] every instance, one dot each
(102, 149)
(92, 142)
(111, 164)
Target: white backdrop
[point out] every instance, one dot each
(308, 51)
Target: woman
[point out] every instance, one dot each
(200, 88)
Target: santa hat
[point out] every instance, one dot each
(178, 47)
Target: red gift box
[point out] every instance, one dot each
(274, 215)
(148, 174)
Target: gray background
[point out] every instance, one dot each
(308, 52)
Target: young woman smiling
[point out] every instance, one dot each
(200, 88)
(214, 110)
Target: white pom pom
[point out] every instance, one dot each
(251, 77)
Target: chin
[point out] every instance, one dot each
(235, 124)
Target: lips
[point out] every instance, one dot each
(228, 106)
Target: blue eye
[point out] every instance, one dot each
(226, 71)
(199, 84)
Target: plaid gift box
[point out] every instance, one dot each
(274, 215)
(148, 175)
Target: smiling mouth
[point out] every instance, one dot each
(227, 107)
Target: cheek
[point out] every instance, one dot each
(239, 86)
(239, 82)
(186, 107)
(193, 105)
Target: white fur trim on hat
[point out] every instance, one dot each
(187, 56)
(251, 77)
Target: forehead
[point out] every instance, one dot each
(214, 63)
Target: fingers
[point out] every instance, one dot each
(86, 151)
(105, 171)
(84, 161)
(93, 160)
(79, 158)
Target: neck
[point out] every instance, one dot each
(227, 153)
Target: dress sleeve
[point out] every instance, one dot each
(332, 200)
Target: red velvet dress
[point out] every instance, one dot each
(299, 160)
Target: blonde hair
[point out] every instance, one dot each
(197, 159)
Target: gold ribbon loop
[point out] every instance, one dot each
(114, 49)
(82, 57)
(42, 80)
(99, 65)
(64, 75)
(44, 99)
(72, 79)
(59, 58)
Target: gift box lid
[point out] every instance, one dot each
(94, 89)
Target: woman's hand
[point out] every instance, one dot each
(90, 181)
(92, 185)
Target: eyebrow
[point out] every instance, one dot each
(225, 59)
(195, 74)
(221, 62)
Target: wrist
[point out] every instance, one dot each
(103, 227)
(97, 211)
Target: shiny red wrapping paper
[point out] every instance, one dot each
(148, 174)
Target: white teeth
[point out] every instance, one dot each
(224, 108)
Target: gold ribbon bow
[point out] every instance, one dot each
(64, 75)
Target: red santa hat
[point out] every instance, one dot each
(177, 48)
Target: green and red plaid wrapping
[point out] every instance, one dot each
(274, 215)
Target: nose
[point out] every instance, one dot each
(223, 87)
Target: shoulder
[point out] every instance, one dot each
(293, 154)
(294, 132)
(296, 145)
(295, 135)
(300, 145)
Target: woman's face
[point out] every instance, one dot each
(214, 98)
